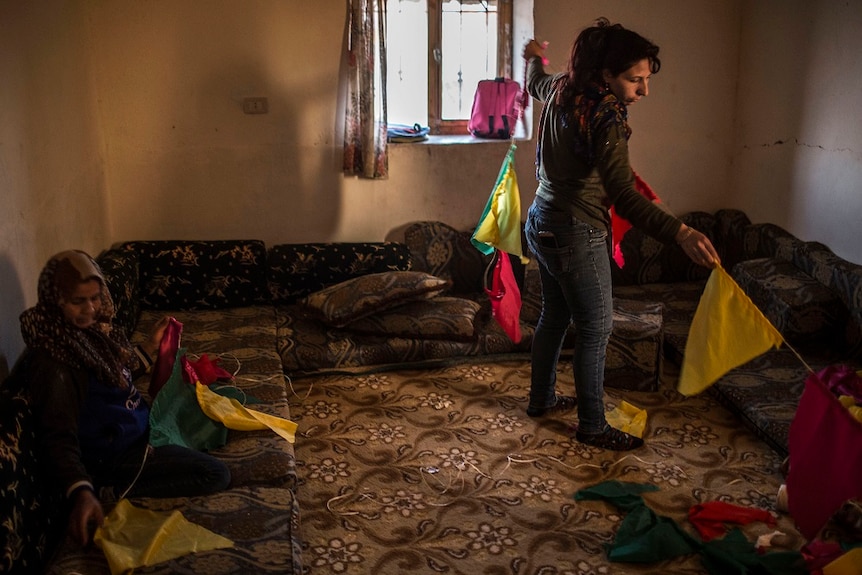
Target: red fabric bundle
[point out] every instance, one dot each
(709, 517)
(620, 225)
(505, 297)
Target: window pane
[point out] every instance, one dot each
(469, 47)
(407, 62)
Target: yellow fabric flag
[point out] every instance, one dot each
(133, 537)
(629, 418)
(500, 224)
(727, 331)
(236, 416)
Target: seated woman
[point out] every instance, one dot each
(93, 424)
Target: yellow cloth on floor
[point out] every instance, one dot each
(626, 417)
(132, 537)
(234, 415)
(727, 331)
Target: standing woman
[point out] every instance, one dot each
(92, 423)
(583, 169)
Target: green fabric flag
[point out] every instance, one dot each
(176, 417)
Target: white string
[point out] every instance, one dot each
(138, 474)
(456, 481)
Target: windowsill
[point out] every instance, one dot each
(450, 140)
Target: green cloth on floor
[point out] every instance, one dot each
(622, 495)
(644, 537)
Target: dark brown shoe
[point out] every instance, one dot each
(564, 403)
(612, 439)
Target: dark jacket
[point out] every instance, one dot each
(586, 187)
(58, 394)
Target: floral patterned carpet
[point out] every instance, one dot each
(441, 471)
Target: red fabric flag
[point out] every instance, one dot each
(164, 364)
(620, 225)
(709, 517)
(825, 457)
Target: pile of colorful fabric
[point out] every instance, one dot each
(645, 537)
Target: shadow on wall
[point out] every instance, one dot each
(11, 305)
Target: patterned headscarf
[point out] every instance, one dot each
(98, 348)
(596, 109)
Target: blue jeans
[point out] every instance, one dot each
(574, 266)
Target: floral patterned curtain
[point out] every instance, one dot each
(365, 124)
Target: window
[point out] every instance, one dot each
(437, 51)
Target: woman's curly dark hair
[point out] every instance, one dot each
(604, 46)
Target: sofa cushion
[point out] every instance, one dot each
(647, 260)
(730, 225)
(445, 252)
(799, 307)
(355, 298)
(441, 317)
(309, 346)
(121, 271)
(764, 393)
(296, 270)
(767, 240)
(196, 275)
(634, 354)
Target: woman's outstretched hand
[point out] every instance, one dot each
(697, 247)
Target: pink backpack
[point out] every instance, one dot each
(495, 109)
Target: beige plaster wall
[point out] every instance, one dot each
(184, 161)
(798, 150)
(51, 151)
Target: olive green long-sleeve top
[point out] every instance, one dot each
(571, 180)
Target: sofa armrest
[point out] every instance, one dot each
(799, 307)
(767, 240)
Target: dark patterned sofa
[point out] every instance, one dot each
(813, 297)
